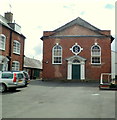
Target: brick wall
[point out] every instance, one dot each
(15, 36)
(93, 72)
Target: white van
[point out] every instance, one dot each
(11, 80)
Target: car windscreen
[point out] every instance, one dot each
(7, 75)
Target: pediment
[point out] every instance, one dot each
(76, 30)
(3, 59)
(76, 57)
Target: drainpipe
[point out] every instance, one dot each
(10, 51)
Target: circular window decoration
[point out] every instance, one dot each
(76, 49)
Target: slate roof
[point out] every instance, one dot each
(32, 63)
(77, 21)
(5, 22)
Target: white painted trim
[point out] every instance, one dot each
(91, 50)
(5, 66)
(83, 71)
(69, 69)
(56, 56)
(96, 55)
(57, 63)
(16, 67)
(3, 47)
(17, 42)
(76, 44)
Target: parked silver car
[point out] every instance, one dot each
(27, 78)
(11, 80)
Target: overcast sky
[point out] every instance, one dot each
(36, 16)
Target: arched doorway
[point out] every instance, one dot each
(76, 68)
(3, 63)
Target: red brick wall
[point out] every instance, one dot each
(6, 32)
(18, 37)
(51, 71)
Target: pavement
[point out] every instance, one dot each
(59, 100)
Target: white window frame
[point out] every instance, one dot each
(16, 66)
(3, 43)
(55, 56)
(16, 49)
(94, 55)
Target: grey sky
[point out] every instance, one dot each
(36, 16)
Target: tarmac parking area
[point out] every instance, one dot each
(59, 100)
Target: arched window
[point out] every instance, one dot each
(15, 65)
(2, 41)
(96, 54)
(16, 47)
(57, 54)
(76, 61)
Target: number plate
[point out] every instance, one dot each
(19, 81)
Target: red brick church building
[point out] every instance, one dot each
(77, 50)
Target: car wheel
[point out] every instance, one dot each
(3, 88)
(25, 84)
(12, 89)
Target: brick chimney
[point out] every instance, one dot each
(9, 16)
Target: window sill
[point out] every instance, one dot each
(96, 64)
(17, 53)
(57, 63)
(2, 49)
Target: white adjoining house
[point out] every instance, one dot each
(114, 63)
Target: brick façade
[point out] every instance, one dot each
(67, 36)
(9, 46)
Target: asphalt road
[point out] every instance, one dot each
(59, 100)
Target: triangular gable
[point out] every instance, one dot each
(76, 30)
(77, 27)
(76, 57)
(78, 21)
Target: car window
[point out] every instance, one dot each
(7, 75)
(26, 75)
(20, 76)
